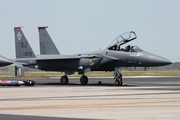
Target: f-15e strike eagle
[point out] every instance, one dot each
(109, 59)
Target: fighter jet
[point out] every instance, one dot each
(110, 59)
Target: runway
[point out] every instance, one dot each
(140, 98)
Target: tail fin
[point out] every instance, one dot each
(23, 49)
(47, 46)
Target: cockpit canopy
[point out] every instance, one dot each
(135, 49)
(122, 39)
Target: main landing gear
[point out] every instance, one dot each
(118, 77)
(83, 80)
(64, 80)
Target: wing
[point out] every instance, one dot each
(32, 62)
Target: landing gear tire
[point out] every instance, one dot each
(118, 81)
(84, 80)
(64, 80)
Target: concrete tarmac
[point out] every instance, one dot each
(140, 98)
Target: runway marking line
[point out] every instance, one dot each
(113, 105)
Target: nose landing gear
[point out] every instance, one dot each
(118, 77)
(118, 80)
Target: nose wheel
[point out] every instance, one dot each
(118, 81)
(118, 77)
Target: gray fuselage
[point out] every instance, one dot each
(102, 60)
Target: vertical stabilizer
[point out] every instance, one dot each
(47, 46)
(23, 49)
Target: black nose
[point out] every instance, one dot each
(4, 61)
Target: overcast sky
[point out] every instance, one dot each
(78, 26)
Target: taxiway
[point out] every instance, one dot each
(140, 98)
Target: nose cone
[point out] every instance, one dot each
(160, 61)
(154, 60)
(4, 61)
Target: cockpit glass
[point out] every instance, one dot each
(136, 48)
(122, 39)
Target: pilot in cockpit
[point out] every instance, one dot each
(115, 47)
(128, 48)
(118, 48)
(131, 50)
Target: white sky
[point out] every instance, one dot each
(78, 26)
